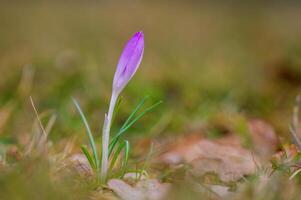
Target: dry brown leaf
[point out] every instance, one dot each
(177, 152)
(225, 170)
(221, 191)
(225, 156)
(150, 189)
(264, 137)
(227, 161)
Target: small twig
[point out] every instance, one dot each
(254, 161)
(50, 124)
(295, 123)
(38, 118)
(294, 174)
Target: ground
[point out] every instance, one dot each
(227, 73)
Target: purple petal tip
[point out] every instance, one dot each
(138, 35)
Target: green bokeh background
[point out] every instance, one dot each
(202, 59)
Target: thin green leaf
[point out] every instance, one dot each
(126, 157)
(136, 109)
(117, 107)
(142, 114)
(89, 132)
(130, 124)
(125, 146)
(116, 155)
(88, 156)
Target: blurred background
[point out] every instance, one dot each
(210, 62)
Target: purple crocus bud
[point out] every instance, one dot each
(129, 62)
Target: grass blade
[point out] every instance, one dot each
(141, 115)
(126, 157)
(147, 161)
(136, 109)
(89, 133)
(88, 156)
(38, 117)
(116, 155)
(295, 123)
(129, 125)
(125, 146)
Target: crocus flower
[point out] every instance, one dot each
(128, 64)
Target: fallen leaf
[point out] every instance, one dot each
(222, 191)
(227, 161)
(150, 189)
(264, 137)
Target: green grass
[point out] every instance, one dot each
(114, 151)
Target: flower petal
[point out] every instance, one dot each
(129, 61)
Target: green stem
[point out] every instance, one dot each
(106, 137)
